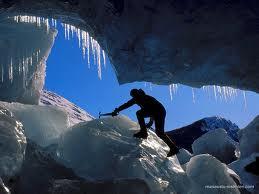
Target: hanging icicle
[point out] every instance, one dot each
(171, 92)
(193, 96)
(245, 102)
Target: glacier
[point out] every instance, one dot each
(24, 50)
(42, 124)
(249, 136)
(105, 149)
(102, 153)
(13, 144)
(217, 143)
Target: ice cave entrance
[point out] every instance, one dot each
(79, 70)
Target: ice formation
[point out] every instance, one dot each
(43, 124)
(85, 41)
(249, 180)
(24, 51)
(3, 188)
(108, 146)
(105, 149)
(209, 175)
(184, 156)
(87, 44)
(249, 138)
(218, 144)
(13, 143)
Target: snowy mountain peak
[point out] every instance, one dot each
(75, 114)
(215, 122)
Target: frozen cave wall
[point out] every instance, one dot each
(192, 42)
(24, 50)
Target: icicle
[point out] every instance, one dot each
(99, 61)
(55, 23)
(215, 92)
(79, 37)
(244, 95)
(104, 59)
(150, 86)
(193, 96)
(52, 22)
(11, 70)
(170, 91)
(88, 49)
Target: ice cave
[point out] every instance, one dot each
(49, 145)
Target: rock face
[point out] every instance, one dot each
(216, 143)
(191, 42)
(13, 144)
(249, 138)
(74, 113)
(24, 50)
(185, 136)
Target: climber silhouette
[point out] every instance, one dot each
(152, 108)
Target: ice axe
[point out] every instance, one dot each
(108, 114)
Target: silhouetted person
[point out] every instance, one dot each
(150, 107)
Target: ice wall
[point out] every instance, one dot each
(24, 50)
(249, 138)
(13, 144)
(218, 144)
(43, 124)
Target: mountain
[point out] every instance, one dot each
(185, 136)
(75, 114)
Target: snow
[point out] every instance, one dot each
(212, 123)
(216, 143)
(13, 144)
(43, 124)
(249, 138)
(75, 114)
(205, 171)
(247, 178)
(22, 62)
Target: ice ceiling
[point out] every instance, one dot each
(196, 43)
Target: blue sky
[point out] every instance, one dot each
(69, 76)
